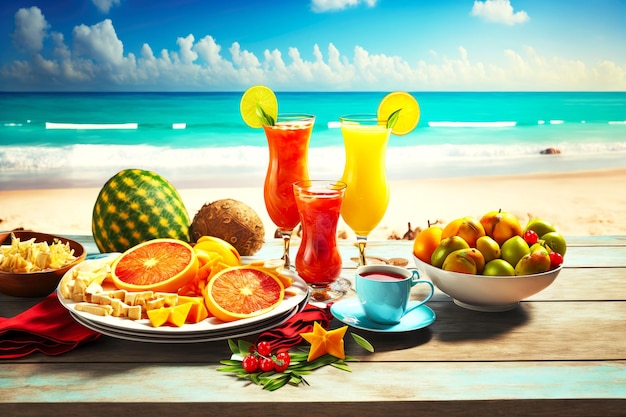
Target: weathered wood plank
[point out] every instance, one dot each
(534, 331)
(596, 240)
(403, 382)
(322, 408)
(586, 284)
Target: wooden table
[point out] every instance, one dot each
(561, 352)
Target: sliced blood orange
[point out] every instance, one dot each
(155, 265)
(241, 292)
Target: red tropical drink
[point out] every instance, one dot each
(318, 261)
(288, 141)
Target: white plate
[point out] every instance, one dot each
(299, 292)
(213, 335)
(198, 338)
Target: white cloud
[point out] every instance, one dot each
(99, 43)
(498, 11)
(97, 61)
(105, 5)
(321, 6)
(30, 29)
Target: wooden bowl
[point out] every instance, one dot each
(40, 283)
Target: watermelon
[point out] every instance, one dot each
(134, 206)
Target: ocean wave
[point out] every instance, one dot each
(32, 158)
(91, 165)
(330, 124)
(473, 124)
(91, 126)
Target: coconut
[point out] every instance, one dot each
(232, 221)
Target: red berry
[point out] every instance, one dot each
(250, 364)
(264, 348)
(531, 237)
(266, 364)
(556, 259)
(282, 361)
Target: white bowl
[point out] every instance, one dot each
(487, 293)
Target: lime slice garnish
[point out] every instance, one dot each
(258, 104)
(409, 112)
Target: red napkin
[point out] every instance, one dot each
(287, 334)
(46, 327)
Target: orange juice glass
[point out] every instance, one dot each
(318, 260)
(288, 142)
(367, 195)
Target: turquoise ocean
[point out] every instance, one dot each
(61, 140)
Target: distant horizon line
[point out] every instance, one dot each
(297, 91)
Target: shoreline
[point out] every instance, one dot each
(246, 167)
(578, 203)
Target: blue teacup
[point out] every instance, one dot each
(384, 291)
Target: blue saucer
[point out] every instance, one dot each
(351, 313)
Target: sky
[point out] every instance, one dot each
(313, 45)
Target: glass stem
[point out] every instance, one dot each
(361, 241)
(286, 243)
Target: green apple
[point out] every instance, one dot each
(488, 247)
(541, 227)
(498, 267)
(446, 247)
(535, 262)
(514, 249)
(555, 241)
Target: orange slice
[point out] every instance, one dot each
(241, 292)
(155, 265)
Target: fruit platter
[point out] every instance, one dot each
(492, 263)
(110, 293)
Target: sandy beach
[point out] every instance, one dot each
(578, 203)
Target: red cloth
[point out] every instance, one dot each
(46, 327)
(287, 334)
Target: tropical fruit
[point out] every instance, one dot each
(501, 225)
(197, 311)
(134, 206)
(409, 112)
(242, 292)
(232, 221)
(176, 315)
(212, 244)
(426, 242)
(471, 246)
(468, 227)
(163, 265)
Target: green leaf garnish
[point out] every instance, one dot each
(393, 119)
(233, 346)
(361, 341)
(294, 374)
(265, 118)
